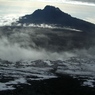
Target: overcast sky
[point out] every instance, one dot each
(84, 9)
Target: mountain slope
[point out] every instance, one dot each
(52, 15)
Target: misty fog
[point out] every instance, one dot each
(24, 43)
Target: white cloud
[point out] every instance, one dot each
(77, 2)
(13, 52)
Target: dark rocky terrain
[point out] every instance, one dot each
(64, 85)
(75, 76)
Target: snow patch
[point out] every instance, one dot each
(25, 70)
(3, 87)
(89, 83)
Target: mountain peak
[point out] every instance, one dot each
(53, 15)
(48, 7)
(49, 15)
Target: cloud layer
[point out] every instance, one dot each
(21, 44)
(89, 1)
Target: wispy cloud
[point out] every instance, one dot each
(81, 2)
(88, 1)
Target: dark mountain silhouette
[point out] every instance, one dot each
(52, 15)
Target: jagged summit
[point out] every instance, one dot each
(48, 9)
(53, 15)
(49, 15)
(52, 8)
